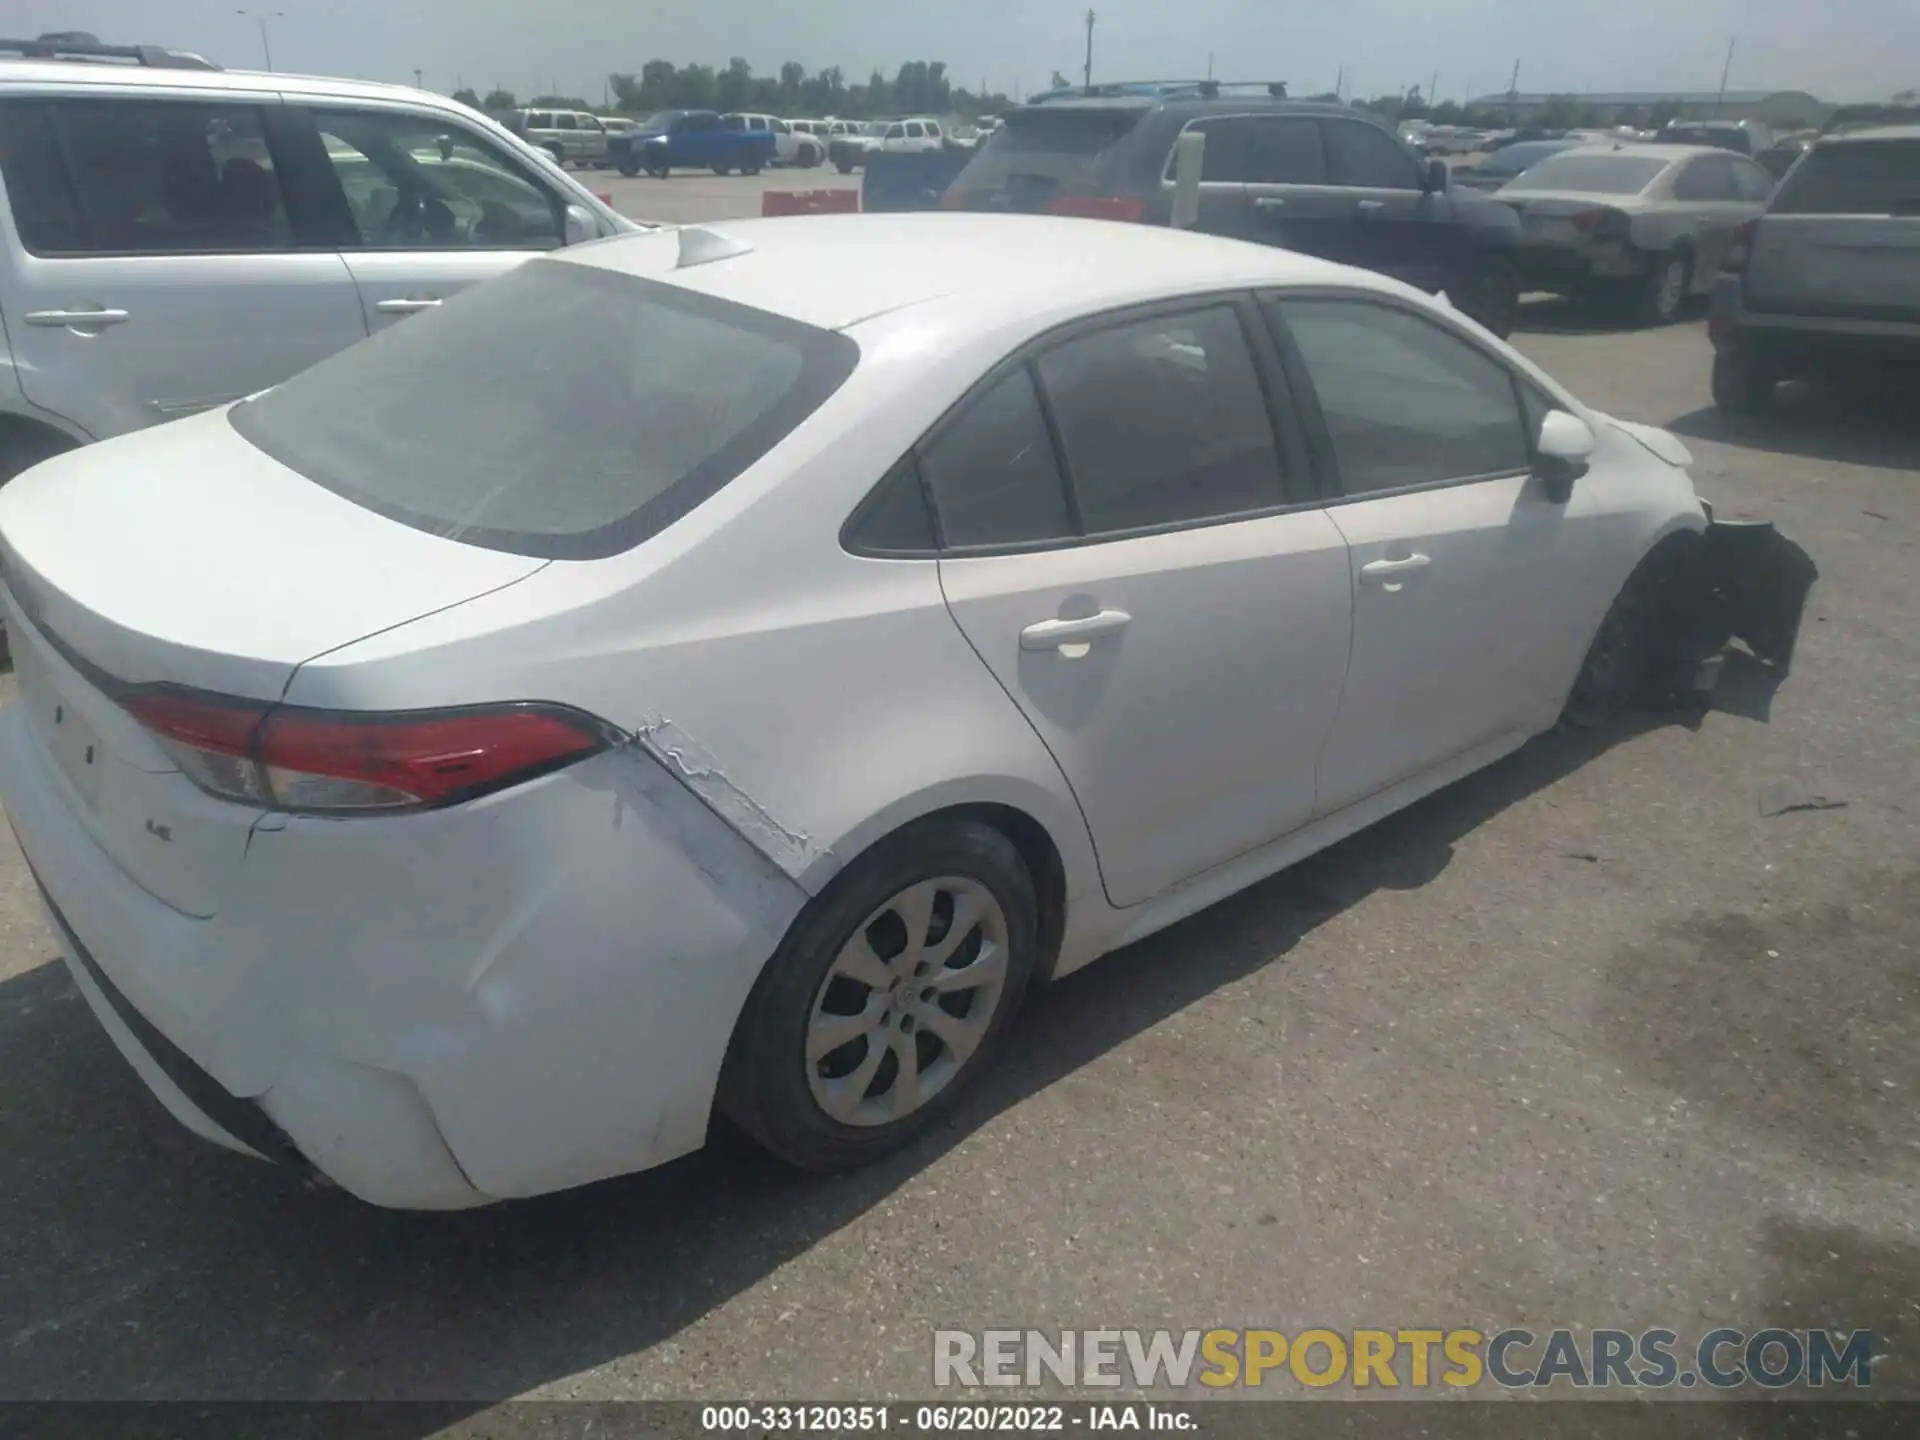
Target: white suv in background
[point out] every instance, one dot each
(174, 238)
(791, 145)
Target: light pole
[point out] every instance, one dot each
(1088, 72)
(417, 73)
(263, 16)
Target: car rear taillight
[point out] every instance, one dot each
(605, 197)
(336, 763)
(1734, 261)
(952, 199)
(1099, 207)
(1598, 222)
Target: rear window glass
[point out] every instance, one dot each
(560, 411)
(1595, 174)
(1880, 177)
(1060, 151)
(1723, 138)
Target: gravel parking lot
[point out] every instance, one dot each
(1620, 1032)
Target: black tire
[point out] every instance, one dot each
(1657, 297)
(1622, 663)
(766, 1089)
(1490, 293)
(659, 169)
(1741, 385)
(719, 169)
(845, 167)
(628, 167)
(753, 169)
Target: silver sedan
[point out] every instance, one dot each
(1647, 223)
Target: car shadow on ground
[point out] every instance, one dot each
(1598, 315)
(138, 1263)
(1874, 425)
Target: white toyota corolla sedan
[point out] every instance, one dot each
(650, 688)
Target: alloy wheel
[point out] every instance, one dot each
(907, 1001)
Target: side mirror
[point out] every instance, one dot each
(1561, 454)
(581, 227)
(1438, 177)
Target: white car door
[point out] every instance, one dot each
(431, 207)
(1471, 584)
(1132, 563)
(160, 270)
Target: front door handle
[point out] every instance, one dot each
(405, 307)
(1051, 634)
(1269, 203)
(1390, 572)
(1368, 207)
(55, 319)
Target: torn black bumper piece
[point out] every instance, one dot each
(1743, 581)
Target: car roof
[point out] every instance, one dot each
(251, 82)
(1666, 154)
(860, 266)
(1872, 133)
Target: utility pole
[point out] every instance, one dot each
(263, 16)
(1513, 97)
(1088, 78)
(1209, 64)
(417, 73)
(1726, 70)
(1432, 85)
(1340, 82)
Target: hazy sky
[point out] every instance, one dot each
(1839, 49)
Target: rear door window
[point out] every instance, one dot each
(1867, 177)
(1162, 421)
(1708, 178)
(565, 121)
(141, 177)
(992, 472)
(560, 410)
(1286, 150)
(1223, 158)
(1366, 157)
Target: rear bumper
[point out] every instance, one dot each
(1801, 340)
(1546, 265)
(521, 995)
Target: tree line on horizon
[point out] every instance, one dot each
(922, 87)
(917, 87)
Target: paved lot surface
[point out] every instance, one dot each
(1588, 1039)
(693, 195)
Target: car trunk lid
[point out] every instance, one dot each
(185, 557)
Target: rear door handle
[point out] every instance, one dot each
(405, 307)
(1269, 202)
(1050, 634)
(1367, 207)
(54, 319)
(1390, 572)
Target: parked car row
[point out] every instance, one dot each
(574, 137)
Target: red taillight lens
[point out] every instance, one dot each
(952, 200)
(331, 763)
(1100, 207)
(1588, 221)
(605, 197)
(1734, 261)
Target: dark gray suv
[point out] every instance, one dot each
(1321, 179)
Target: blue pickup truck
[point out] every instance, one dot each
(689, 139)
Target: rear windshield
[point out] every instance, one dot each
(1721, 137)
(1869, 177)
(1512, 159)
(561, 410)
(1601, 174)
(1060, 150)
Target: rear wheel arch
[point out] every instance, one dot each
(26, 442)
